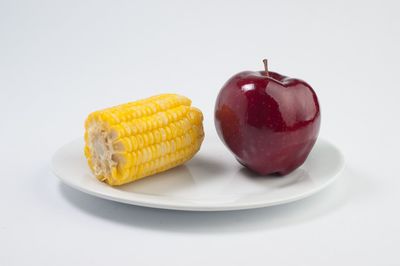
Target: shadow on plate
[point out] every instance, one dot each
(166, 182)
(275, 180)
(348, 186)
(207, 166)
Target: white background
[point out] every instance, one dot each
(61, 60)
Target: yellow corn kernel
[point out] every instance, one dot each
(134, 140)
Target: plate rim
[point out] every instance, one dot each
(151, 201)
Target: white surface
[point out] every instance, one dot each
(211, 181)
(103, 53)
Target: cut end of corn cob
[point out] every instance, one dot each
(134, 140)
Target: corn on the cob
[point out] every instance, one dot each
(134, 140)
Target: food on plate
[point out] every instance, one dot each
(270, 122)
(138, 139)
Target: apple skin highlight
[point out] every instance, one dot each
(270, 122)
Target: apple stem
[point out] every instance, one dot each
(265, 61)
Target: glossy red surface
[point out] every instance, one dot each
(269, 123)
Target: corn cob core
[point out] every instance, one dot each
(134, 140)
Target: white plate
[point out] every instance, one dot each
(211, 181)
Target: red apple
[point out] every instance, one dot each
(270, 122)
